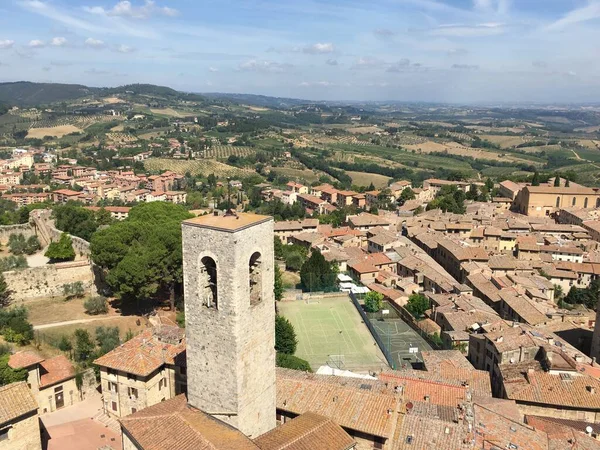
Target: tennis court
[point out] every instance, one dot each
(404, 343)
(331, 332)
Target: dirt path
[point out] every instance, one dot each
(76, 322)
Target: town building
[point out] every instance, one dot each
(19, 421)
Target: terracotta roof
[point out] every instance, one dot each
(24, 359)
(548, 389)
(357, 404)
(173, 424)
(366, 219)
(227, 223)
(306, 432)
(55, 370)
(418, 390)
(146, 352)
(16, 400)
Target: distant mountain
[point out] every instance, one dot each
(257, 100)
(25, 93)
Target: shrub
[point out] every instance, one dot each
(13, 263)
(64, 344)
(15, 327)
(417, 305)
(107, 339)
(292, 362)
(9, 375)
(96, 305)
(84, 346)
(61, 250)
(373, 302)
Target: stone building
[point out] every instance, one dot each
(228, 271)
(143, 371)
(52, 381)
(19, 422)
(540, 201)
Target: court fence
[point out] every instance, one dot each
(367, 321)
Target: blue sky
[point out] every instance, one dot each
(410, 50)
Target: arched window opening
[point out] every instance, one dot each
(558, 202)
(574, 201)
(585, 203)
(255, 278)
(598, 203)
(208, 282)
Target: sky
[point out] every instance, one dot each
(447, 51)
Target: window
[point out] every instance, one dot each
(4, 434)
(133, 392)
(574, 202)
(58, 389)
(183, 370)
(255, 278)
(133, 410)
(113, 387)
(208, 282)
(585, 203)
(557, 202)
(114, 406)
(111, 371)
(162, 383)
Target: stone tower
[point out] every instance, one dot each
(230, 319)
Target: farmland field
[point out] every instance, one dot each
(168, 112)
(505, 141)
(224, 151)
(59, 131)
(305, 174)
(365, 179)
(195, 167)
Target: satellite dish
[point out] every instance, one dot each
(589, 429)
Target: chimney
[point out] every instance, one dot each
(499, 339)
(591, 389)
(594, 363)
(550, 341)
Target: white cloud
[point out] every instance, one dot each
(36, 43)
(126, 8)
(319, 48)
(254, 65)
(125, 49)
(367, 63)
(58, 41)
(213, 69)
(94, 43)
(585, 14)
(317, 84)
(479, 30)
(6, 43)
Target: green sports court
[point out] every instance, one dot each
(330, 332)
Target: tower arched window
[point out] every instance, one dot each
(574, 202)
(558, 202)
(598, 203)
(255, 278)
(585, 203)
(208, 282)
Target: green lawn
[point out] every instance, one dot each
(329, 327)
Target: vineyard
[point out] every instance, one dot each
(196, 167)
(225, 151)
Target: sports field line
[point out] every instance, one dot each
(312, 352)
(347, 338)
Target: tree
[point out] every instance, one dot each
(142, 255)
(417, 305)
(84, 346)
(61, 250)
(292, 362)
(585, 296)
(96, 305)
(535, 181)
(5, 292)
(8, 374)
(278, 284)
(74, 289)
(405, 195)
(317, 274)
(75, 220)
(107, 339)
(557, 180)
(373, 301)
(64, 344)
(285, 336)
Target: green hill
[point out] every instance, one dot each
(25, 93)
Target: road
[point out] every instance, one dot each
(76, 322)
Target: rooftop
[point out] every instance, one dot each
(16, 400)
(228, 223)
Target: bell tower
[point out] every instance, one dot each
(230, 318)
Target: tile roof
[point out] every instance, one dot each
(306, 432)
(24, 359)
(55, 370)
(16, 400)
(573, 391)
(146, 352)
(356, 404)
(424, 390)
(173, 424)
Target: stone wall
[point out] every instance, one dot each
(48, 232)
(25, 229)
(24, 435)
(48, 281)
